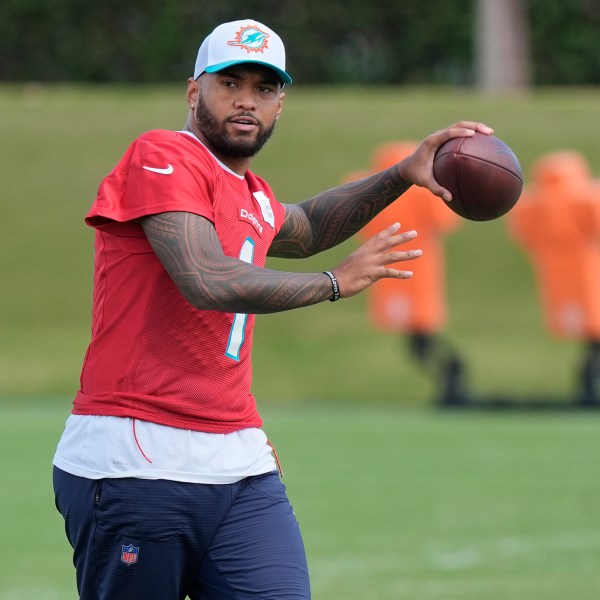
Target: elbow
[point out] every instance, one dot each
(198, 300)
(194, 293)
(211, 297)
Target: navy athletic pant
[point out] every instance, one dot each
(165, 540)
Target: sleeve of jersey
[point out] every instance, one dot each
(279, 215)
(157, 174)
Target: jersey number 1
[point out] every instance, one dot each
(236, 334)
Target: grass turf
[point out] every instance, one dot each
(404, 504)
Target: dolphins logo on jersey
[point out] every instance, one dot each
(251, 39)
(265, 207)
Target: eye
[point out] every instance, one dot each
(265, 89)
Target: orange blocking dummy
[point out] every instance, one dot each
(557, 221)
(416, 305)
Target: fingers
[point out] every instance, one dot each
(472, 126)
(460, 129)
(398, 256)
(388, 239)
(375, 260)
(396, 274)
(418, 167)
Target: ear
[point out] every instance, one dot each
(280, 105)
(193, 88)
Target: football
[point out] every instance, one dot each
(482, 173)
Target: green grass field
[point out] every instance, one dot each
(393, 503)
(395, 499)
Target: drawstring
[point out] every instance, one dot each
(276, 459)
(137, 442)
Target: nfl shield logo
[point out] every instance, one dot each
(129, 554)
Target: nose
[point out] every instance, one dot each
(245, 99)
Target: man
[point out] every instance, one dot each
(168, 485)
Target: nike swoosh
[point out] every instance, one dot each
(166, 171)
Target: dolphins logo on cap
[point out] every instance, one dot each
(251, 38)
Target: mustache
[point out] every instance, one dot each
(245, 116)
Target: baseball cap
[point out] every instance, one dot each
(245, 41)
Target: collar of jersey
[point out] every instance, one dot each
(222, 165)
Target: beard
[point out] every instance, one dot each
(224, 144)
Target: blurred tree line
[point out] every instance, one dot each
(342, 41)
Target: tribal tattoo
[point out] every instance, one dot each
(189, 249)
(335, 215)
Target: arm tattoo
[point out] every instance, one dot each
(335, 215)
(189, 249)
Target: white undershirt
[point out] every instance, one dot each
(96, 447)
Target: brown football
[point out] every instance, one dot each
(482, 173)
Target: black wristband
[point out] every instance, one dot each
(335, 286)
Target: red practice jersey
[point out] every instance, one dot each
(152, 355)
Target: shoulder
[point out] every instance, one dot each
(176, 140)
(182, 151)
(158, 135)
(258, 183)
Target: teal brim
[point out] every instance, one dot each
(282, 74)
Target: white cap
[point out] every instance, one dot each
(245, 41)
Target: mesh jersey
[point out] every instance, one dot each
(152, 355)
